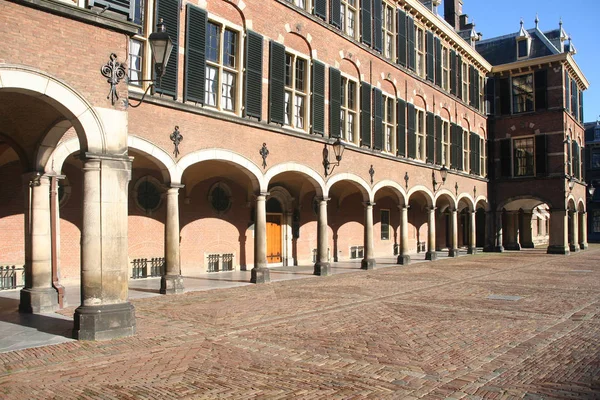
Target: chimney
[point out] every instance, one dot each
(452, 12)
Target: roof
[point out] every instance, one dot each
(503, 49)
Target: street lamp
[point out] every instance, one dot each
(443, 174)
(161, 46)
(338, 151)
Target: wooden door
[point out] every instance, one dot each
(273, 238)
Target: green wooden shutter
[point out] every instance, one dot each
(365, 21)
(473, 145)
(429, 64)
(377, 28)
(430, 139)
(335, 17)
(126, 7)
(365, 114)
(410, 42)
(540, 82)
(504, 96)
(505, 158)
(453, 146)
(377, 119)
(490, 95)
(472, 84)
(581, 106)
(318, 98)
(401, 127)
(438, 139)
(335, 100)
(541, 155)
(453, 74)
(168, 10)
(460, 147)
(459, 78)
(574, 106)
(411, 134)
(438, 61)
(401, 40)
(276, 83)
(195, 57)
(320, 9)
(254, 66)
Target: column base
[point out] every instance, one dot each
(583, 246)
(513, 246)
(472, 250)
(171, 284)
(453, 253)
(574, 248)
(488, 249)
(322, 269)
(368, 263)
(104, 322)
(555, 249)
(431, 256)
(529, 245)
(260, 275)
(499, 249)
(38, 300)
(404, 259)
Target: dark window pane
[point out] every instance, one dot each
(300, 71)
(522, 48)
(219, 199)
(213, 33)
(148, 196)
(288, 70)
(351, 96)
(230, 48)
(522, 87)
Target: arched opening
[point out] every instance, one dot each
(421, 237)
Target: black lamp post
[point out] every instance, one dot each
(338, 151)
(443, 174)
(161, 46)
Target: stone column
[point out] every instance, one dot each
(559, 232)
(525, 230)
(431, 253)
(583, 244)
(322, 266)
(512, 230)
(369, 261)
(171, 281)
(498, 246)
(260, 272)
(472, 249)
(403, 257)
(453, 251)
(574, 245)
(105, 311)
(489, 232)
(288, 255)
(38, 296)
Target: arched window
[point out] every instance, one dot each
(219, 197)
(148, 194)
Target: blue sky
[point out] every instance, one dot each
(581, 20)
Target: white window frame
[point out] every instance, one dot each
(482, 156)
(465, 82)
(446, 143)
(466, 149)
(293, 92)
(512, 94)
(346, 9)
(524, 138)
(420, 54)
(298, 3)
(347, 112)
(528, 45)
(389, 223)
(389, 32)
(421, 134)
(389, 124)
(445, 68)
(142, 37)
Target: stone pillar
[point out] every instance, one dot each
(498, 233)
(171, 281)
(453, 251)
(260, 272)
(559, 232)
(369, 261)
(512, 223)
(472, 249)
(105, 312)
(489, 232)
(583, 244)
(403, 257)
(288, 255)
(322, 266)
(525, 230)
(38, 296)
(431, 253)
(574, 245)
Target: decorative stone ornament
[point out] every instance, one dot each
(371, 173)
(264, 153)
(176, 138)
(113, 71)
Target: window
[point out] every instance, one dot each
(596, 221)
(296, 88)
(595, 159)
(465, 82)
(522, 92)
(523, 157)
(597, 133)
(301, 3)
(420, 51)
(389, 123)
(219, 197)
(348, 17)
(349, 110)
(482, 156)
(466, 142)
(385, 224)
(221, 67)
(148, 194)
(420, 131)
(445, 69)
(445, 144)
(139, 67)
(482, 94)
(136, 59)
(388, 21)
(523, 48)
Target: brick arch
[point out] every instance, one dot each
(426, 193)
(311, 174)
(360, 183)
(395, 187)
(468, 199)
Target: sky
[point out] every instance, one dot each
(581, 20)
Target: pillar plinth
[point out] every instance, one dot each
(322, 266)
(453, 251)
(260, 273)
(171, 281)
(369, 261)
(403, 257)
(431, 254)
(472, 249)
(38, 296)
(105, 311)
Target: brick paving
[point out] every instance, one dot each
(426, 330)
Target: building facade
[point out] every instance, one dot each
(227, 161)
(592, 177)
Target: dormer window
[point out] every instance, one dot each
(523, 43)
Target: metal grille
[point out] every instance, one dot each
(357, 252)
(11, 277)
(227, 264)
(213, 262)
(220, 262)
(140, 267)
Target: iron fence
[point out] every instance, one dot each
(148, 268)
(220, 262)
(11, 277)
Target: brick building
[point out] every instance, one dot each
(592, 177)
(450, 142)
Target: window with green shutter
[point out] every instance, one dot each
(168, 11)
(318, 98)
(401, 128)
(254, 66)
(276, 83)
(365, 114)
(402, 37)
(195, 57)
(377, 119)
(365, 21)
(335, 98)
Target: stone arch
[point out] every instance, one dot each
(468, 199)
(581, 205)
(283, 196)
(426, 193)
(23, 159)
(247, 166)
(420, 102)
(395, 187)
(357, 180)
(504, 203)
(347, 64)
(311, 174)
(447, 193)
(445, 114)
(67, 101)
(482, 199)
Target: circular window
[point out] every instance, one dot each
(219, 197)
(148, 194)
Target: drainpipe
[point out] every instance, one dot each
(53, 234)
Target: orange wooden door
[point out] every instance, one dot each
(273, 238)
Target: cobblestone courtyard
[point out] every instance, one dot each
(492, 326)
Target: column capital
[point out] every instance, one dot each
(105, 157)
(403, 206)
(262, 194)
(430, 209)
(323, 198)
(368, 203)
(176, 186)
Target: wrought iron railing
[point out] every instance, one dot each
(219, 262)
(140, 267)
(11, 277)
